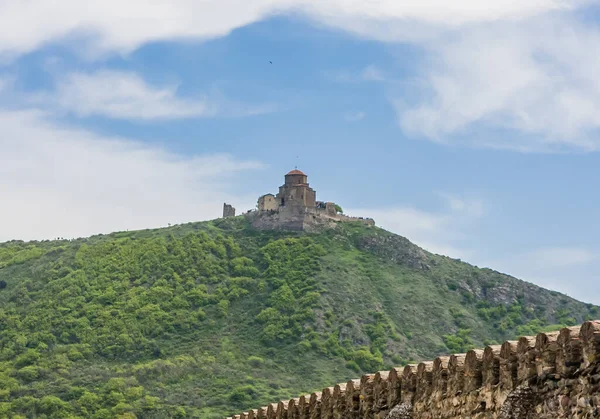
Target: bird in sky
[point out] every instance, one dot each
(271, 62)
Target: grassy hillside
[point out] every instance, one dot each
(206, 319)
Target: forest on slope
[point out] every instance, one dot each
(206, 319)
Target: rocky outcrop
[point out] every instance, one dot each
(551, 375)
(394, 248)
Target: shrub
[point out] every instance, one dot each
(243, 394)
(256, 361)
(353, 366)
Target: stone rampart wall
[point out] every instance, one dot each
(299, 218)
(551, 375)
(322, 213)
(367, 221)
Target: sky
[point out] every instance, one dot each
(471, 128)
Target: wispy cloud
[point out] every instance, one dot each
(125, 95)
(57, 180)
(459, 205)
(373, 73)
(354, 116)
(560, 257)
(441, 231)
(527, 67)
(535, 81)
(568, 269)
(370, 73)
(107, 26)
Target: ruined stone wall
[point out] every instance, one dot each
(284, 218)
(228, 211)
(298, 218)
(551, 375)
(268, 202)
(326, 213)
(367, 221)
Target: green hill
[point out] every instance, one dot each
(206, 319)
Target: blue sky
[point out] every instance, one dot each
(470, 128)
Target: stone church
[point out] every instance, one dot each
(295, 193)
(295, 207)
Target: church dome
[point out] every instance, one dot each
(295, 172)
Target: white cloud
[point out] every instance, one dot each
(560, 257)
(537, 78)
(521, 66)
(123, 26)
(440, 232)
(373, 73)
(355, 116)
(60, 181)
(568, 269)
(470, 207)
(370, 73)
(125, 95)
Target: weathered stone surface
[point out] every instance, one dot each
(519, 404)
(550, 376)
(402, 411)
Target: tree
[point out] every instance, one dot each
(338, 209)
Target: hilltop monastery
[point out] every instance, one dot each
(295, 207)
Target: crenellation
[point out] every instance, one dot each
(381, 390)
(547, 348)
(394, 387)
(570, 354)
(339, 401)
(440, 377)
(590, 338)
(282, 410)
(315, 406)
(526, 358)
(456, 379)
(552, 375)
(293, 408)
(304, 407)
(366, 395)
(409, 383)
(490, 368)
(327, 403)
(424, 380)
(353, 398)
(473, 370)
(508, 365)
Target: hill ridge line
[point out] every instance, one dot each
(533, 373)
